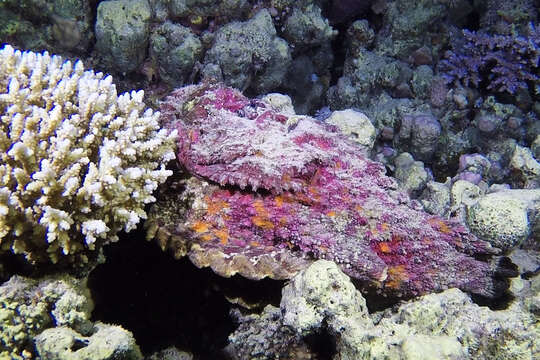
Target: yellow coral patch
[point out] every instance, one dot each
(331, 213)
(385, 226)
(279, 201)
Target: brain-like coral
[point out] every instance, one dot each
(78, 163)
(271, 191)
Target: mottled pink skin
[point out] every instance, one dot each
(309, 189)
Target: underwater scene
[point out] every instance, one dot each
(269, 179)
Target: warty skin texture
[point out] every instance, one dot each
(269, 185)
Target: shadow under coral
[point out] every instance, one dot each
(166, 302)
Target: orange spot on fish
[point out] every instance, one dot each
(207, 237)
(254, 243)
(331, 213)
(440, 225)
(258, 205)
(222, 235)
(286, 178)
(396, 276)
(200, 227)
(215, 206)
(384, 247)
(262, 222)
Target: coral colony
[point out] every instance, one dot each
(503, 63)
(78, 163)
(268, 187)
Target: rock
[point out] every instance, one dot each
(447, 325)
(422, 56)
(527, 261)
(355, 124)
(436, 198)
(49, 318)
(420, 134)
(171, 353)
(56, 25)
(411, 174)
(475, 163)
(453, 319)
(464, 193)
(488, 123)
(322, 293)
(122, 32)
(307, 27)
(501, 218)
(304, 84)
(535, 147)
(107, 342)
(409, 25)
(360, 35)
(264, 336)
(27, 307)
(279, 102)
(421, 81)
(365, 74)
(175, 49)
(206, 8)
(525, 167)
(249, 55)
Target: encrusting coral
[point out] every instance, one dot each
(77, 162)
(49, 318)
(272, 191)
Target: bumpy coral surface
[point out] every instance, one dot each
(28, 307)
(77, 162)
(274, 186)
(447, 325)
(49, 319)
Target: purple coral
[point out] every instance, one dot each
(502, 63)
(264, 188)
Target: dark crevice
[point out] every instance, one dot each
(166, 302)
(322, 344)
(340, 53)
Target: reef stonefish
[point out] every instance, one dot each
(263, 193)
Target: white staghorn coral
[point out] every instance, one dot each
(78, 163)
